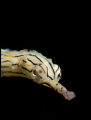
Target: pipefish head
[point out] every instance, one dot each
(46, 75)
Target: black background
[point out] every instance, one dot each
(55, 36)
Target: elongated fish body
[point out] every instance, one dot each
(34, 66)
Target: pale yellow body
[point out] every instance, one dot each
(35, 66)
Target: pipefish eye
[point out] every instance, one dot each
(38, 72)
(35, 72)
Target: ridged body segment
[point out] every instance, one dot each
(35, 66)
